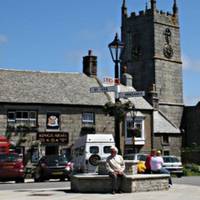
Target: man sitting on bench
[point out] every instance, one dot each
(115, 166)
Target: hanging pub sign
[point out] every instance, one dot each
(53, 120)
(53, 137)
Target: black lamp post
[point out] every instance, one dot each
(115, 48)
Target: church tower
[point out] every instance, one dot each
(152, 55)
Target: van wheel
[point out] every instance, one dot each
(94, 159)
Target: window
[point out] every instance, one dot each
(106, 149)
(22, 118)
(130, 126)
(166, 152)
(134, 130)
(165, 139)
(94, 149)
(11, 116)
(88, 118)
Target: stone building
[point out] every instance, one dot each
(191, 134)
(191, 126)
(153, 57)
(44, 112)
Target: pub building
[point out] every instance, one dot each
(43, 113)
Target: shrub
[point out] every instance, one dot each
(191, 170)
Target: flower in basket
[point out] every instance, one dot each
(136, 132)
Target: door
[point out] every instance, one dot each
(51, 150)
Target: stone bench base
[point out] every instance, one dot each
(94, 183)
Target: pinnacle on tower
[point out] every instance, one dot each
(153, 5)
(175, 8)
(146, 6)
(124, 8)
(124, 4)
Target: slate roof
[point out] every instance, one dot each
(48, 88)
(162, 124)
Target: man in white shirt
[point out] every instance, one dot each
(115, 167)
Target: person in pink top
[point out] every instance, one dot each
(156, 164)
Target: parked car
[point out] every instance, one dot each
(53, 167)
(11, 168)
(174, 165)
(136, 157)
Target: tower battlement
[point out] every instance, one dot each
(148, 12)
(153, 11)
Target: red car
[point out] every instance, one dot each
(11, 168)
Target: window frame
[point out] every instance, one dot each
(87, 115)
(137, 140)
(164, 141)
(22, 121)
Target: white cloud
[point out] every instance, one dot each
(191, 64)
(3, 39)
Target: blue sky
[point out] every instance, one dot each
(54, 35)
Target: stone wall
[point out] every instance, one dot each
(174, 145)
(92, 183)
(70, 121)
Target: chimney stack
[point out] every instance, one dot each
(127, 79)
(90, 64)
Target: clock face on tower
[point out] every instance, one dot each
(167, 49)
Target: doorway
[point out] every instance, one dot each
(51, 150)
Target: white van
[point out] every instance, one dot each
(89, 149)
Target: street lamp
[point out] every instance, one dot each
(115, 48)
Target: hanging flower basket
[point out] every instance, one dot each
(118, 109)
(136, 132)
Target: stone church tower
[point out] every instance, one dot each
(152, 55)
